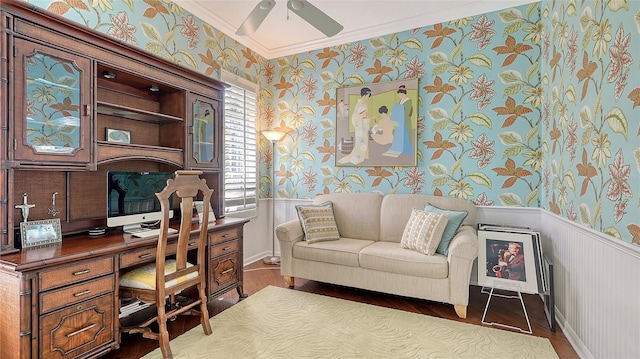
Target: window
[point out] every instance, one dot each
(240, 147)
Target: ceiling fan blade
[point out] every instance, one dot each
(315, 17)
(256, 17)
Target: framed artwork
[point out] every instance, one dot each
(118, 136)
(508, 261)
(37, 233)
(198, 208)
(377, 124)
(548, 295)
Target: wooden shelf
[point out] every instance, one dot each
(112, 151)
(106, 108)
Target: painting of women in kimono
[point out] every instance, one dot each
(376, 124)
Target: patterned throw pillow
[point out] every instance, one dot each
(423, 231)
(318, 222)
(455, 220)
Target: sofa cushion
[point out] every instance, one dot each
(455, 220)
(343, 251)
(390, 257)
(318, 222)
(357, 214)
(423, 231)
(396, 209)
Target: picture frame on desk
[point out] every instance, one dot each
(39, 233)
(508, 261)
(197, 212)
(200, 208)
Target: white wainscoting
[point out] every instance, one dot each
(258, 235)
(597, 278)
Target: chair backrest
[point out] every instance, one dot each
(186, 187)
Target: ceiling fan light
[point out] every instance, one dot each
(265, 5)
(296, 4)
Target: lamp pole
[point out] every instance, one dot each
(273, 136)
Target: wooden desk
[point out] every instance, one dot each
(62, 301)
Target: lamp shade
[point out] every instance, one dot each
(272, 135)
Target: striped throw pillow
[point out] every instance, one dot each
(423, 231)
(318, 222)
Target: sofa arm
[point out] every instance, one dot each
(463, 251)
(288, 234)
(464, 244)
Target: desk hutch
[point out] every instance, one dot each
(62, 86)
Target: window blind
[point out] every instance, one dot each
(240, 148)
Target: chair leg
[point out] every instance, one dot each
(163, 333)
(163, 338)
(204, 311)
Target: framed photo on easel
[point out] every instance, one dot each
(507, 261)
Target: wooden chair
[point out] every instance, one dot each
(173, 275)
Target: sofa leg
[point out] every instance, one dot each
(461, 310)
(290, 281)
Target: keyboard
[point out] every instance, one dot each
(146, 233)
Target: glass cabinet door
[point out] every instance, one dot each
(204, 144)
(52, 105)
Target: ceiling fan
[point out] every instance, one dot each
(311, 14)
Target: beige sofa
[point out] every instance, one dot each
(368, 254)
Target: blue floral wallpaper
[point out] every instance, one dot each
(591, 114)
(530, 106)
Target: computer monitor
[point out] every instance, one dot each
(131, 198)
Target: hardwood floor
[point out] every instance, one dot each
(259, 275)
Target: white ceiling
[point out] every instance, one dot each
(283, 33)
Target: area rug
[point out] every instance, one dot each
(284, 323)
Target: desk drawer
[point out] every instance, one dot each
(224, 248)
(224, 235)
(76, 329)
(223, 272)
(76, 293)
(76, 273)
(146, 255)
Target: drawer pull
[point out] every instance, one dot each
(80, 294)
(226, 235)
(226, 248)
(81, 272)
(227, 271)
(145, 256)
(81, 330)
(193, 244)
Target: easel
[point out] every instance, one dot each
(516, 288)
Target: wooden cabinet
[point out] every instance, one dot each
(225, 265)
(76, 309)
(53, 104)
(76, 104)
(204, 133)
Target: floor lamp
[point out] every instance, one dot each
(273, 136)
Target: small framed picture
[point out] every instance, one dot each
(118, 136)
(507, 261)
(37, 233)
(199, 208)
